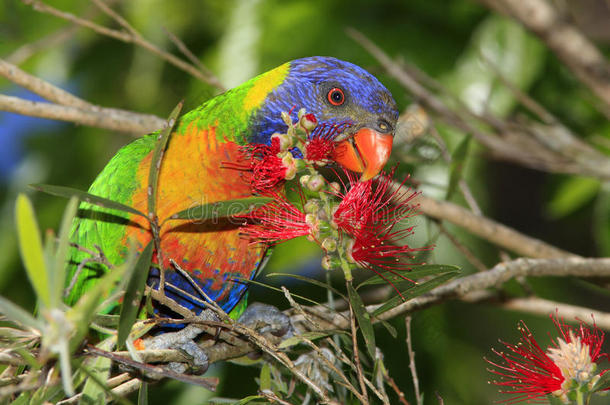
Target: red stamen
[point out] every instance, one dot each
(275, 222)
(529, 373)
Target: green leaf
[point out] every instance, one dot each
(102, 384)
(418, 272)
(603, 383)
(23, 399)
(133, 294)
(143, 394)
(310, 281)
(457, 165)
(221, 209)
(17, 314)
(265, 377)
(249, 399)
(246, 280)
(67, 192)
(65, 368)
(391, 329)
(363, 318)
(155, 165)
(30, 246)
(295, 340)
(415, 291)
(571, 195)
(246, 400)
(58, 272)
(28, 357)
(85, 308)
(99, 370)
(553, 400)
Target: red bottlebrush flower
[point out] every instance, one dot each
(319, 150)
(593, 338)
(321, 145)
(368, 215)
(277, 221)
(267, 169)
(530, 373)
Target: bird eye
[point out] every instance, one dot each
(336, 96)
(383, 125)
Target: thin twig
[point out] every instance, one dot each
(273, 398)
(24, 52)
(191, 56)
(51, 40)
(418, 397)
(127, 37)
(359, 371)
(464, 188)
(528, 146)
(401, 395)
(332, 367)
(471, 257)
(570, 45)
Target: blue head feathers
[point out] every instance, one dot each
(336, 92)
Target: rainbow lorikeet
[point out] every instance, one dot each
(196, 170)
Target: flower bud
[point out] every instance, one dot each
(327, 262)
(286, 141)
(300, 164)
(322, 214)
(304, 179)
(349, 246)
(314, 227)
(286, 118)
(301, 112)
(315, 183)
(330, 262)
(308, 122)
(334, 187)
(329, 244)
(311, 206)
(290, 163)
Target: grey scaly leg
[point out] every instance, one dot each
(183, 340)
(267, 318)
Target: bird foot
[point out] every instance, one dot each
(183, 340)
(267, 319)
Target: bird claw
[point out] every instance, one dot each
(267, 319)
(182, 340)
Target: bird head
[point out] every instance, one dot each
(343, 97)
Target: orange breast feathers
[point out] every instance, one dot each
(192, 174)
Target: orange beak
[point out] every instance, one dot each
(366, 152)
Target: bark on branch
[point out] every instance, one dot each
(100, 117)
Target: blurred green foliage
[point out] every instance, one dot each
(458, 42)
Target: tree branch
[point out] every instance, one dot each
(552, 148)
(132, 36)
(501, 273)
(40, 87)
(107, 118)
(488, 229)
(571, 46)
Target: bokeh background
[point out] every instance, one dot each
(238, 39)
